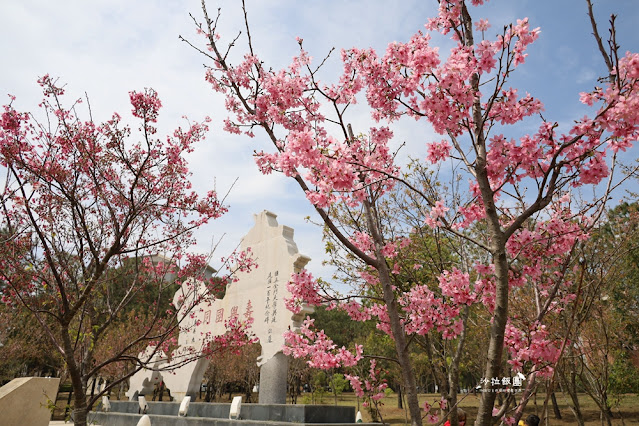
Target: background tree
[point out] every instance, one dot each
(233, 371)
(299, 377)
(25, 349)
(97, 216)
(602, 320)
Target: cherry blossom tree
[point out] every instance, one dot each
(519, 210)
(97, 218)
(418, 264)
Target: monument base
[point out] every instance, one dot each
(204, 414)
(273, 375)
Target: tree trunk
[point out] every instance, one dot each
(496, 344)
(408, 374)
(452, 402)
(453, 373)
(439, 375)
(298, 386)
(497, 249)
(66, 410)
(93, 387)
(555, 406)
(401, 346)
(571, 389)
(77, 381)
(525, 396)
(208, 391)
(79, 399)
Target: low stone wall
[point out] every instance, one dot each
(120, 419)
(125, 413)
(196, 409)
(25, 401)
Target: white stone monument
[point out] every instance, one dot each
(260, 294)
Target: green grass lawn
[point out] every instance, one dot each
(628, 409)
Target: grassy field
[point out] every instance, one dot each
(627, 413)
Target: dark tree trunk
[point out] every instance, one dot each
(68, 407)
(570, 387)
(77, 380)
(93, 387)
(208, 391)
(401, 344)
(555, 406)
(496, 344)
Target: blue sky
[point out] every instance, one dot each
(109, 47)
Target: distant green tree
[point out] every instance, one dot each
(338, 385)
(624, 375)
(319, 383)
(337, 324)
(25, 350)
(604, 322)
(623, 298)
(623, 224)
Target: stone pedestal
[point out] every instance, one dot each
(273, 378)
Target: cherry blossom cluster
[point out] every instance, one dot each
(338, 169)
(304, 290)
(146, 106)
(238, 334)
(425, 312)
(318, 349)
(534, 346)
(372, 388)
(430, 409)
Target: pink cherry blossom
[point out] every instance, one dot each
(438, 151)
(482, 25)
